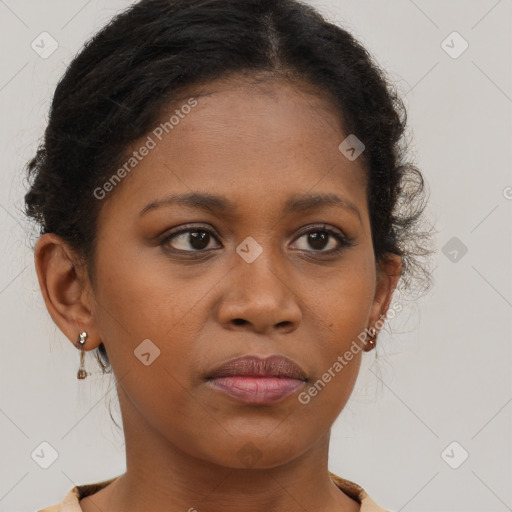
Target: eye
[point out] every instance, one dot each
(197, 239)
(193, 239)
(321, 237)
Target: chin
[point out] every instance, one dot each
(257, 452)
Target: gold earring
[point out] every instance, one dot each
(372, 337)
(82, 374)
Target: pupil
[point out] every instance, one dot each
(315, 238)
(198, 239)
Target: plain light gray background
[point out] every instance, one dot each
(442, 375)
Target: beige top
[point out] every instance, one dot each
(70, 503)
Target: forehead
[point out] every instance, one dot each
(259, 111)
(246, 140)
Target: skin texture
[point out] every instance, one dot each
(257, 145)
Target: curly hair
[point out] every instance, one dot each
(120, 82)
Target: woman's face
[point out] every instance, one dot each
(243, 280)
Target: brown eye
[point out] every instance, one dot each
(320, 238)
(189, 240)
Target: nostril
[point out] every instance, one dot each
(239, 321)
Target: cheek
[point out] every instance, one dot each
(147, 329)
(341, 312)
(341, 304)
(142, 295)
(137, 312)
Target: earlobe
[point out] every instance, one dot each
(388, 276)
(64, 289)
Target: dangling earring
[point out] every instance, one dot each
(372, 337)
(82, 374)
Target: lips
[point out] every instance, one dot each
(253, 366)
(254, 380)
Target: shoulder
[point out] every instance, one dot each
(70, 502)
(356, 492)
(53, 508)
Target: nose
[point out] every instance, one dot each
(259, 298)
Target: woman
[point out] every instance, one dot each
(225, 214)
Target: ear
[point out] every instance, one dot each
(65, 289)
(389, 271)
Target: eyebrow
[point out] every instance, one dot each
(221, 204)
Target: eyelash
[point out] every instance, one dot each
(343, 240)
